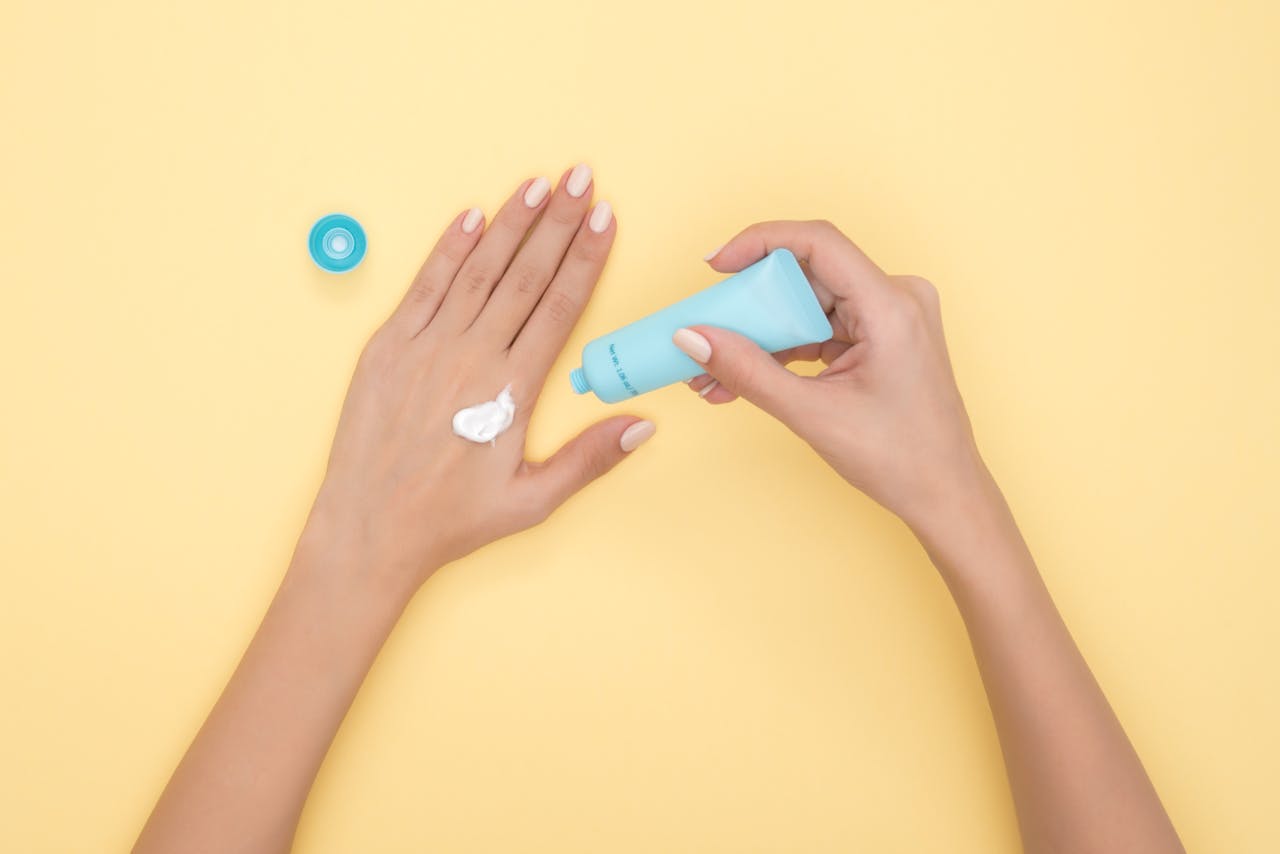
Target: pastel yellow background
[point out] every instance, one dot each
(720, 648)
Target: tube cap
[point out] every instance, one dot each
(337, 243)
(578, 379)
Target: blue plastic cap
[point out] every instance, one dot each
(337, 243)
(578, 380)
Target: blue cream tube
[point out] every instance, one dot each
(769, 302)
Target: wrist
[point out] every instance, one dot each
(949, 494)
(334, 559)
(968, 530)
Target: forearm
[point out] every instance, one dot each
(1077, 782)
(242, 783)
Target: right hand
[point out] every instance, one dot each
(885, 413)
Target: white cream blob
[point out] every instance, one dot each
(484, 422)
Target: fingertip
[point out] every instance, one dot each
(587, 456)
(536, 192)
(577, 180)
(636, 435)
(691, 341)
(472, 221)
(601, 219)
(721, 259)
(699, 382)
(734, 256)
(711, 390)
(720, 395)
(742, 368)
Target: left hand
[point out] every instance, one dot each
(402, 494)
(886, 413)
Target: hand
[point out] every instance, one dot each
(885, 413)
(403, 494)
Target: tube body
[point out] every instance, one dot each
(769, 302)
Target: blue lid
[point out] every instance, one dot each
(337, 243)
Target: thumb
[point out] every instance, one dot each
(586, 457)
(741, 367)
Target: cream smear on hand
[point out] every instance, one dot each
(484, 422)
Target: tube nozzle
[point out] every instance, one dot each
(578, 379)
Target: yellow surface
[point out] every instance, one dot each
(721, 648)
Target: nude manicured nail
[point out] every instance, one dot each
(537, 192)
(713, 253)
(706, 389)
(693, 345)
(471, 220)
(601, 215)
(579, 180)
(636, 435)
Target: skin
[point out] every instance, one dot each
(887, 415)
(403, 496)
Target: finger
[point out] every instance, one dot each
(719, 395)
(826, 352)
(491, 256)
(548, 327)
(443, 262)
(925, 293)
(742, 368)
(833, 259)
(803, 353)
(703, 383)
(710, 390)
(538, 259)
(825, 297)
(584, 458)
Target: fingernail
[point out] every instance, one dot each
(600, 217)
(471, 220)
(537, 192)
(636, 435)
(694, 345)
(579, 179)
(706, 389)
(713, 253)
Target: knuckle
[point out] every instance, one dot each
(527, 279)
(513, 225)
(564, 215)
(592, 464)
(586, 252)
(454, 251)
(560, 307)
(377, 356)
(925, 304)
(535, 509)
(741, 376)
(423, 290)
(922, 288)
(911, 307)
(907, 312)
(475, 280)
(543, 506)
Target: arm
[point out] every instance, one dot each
(244, 779)
(1078, 784)
(886, 414)
(402, 496)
